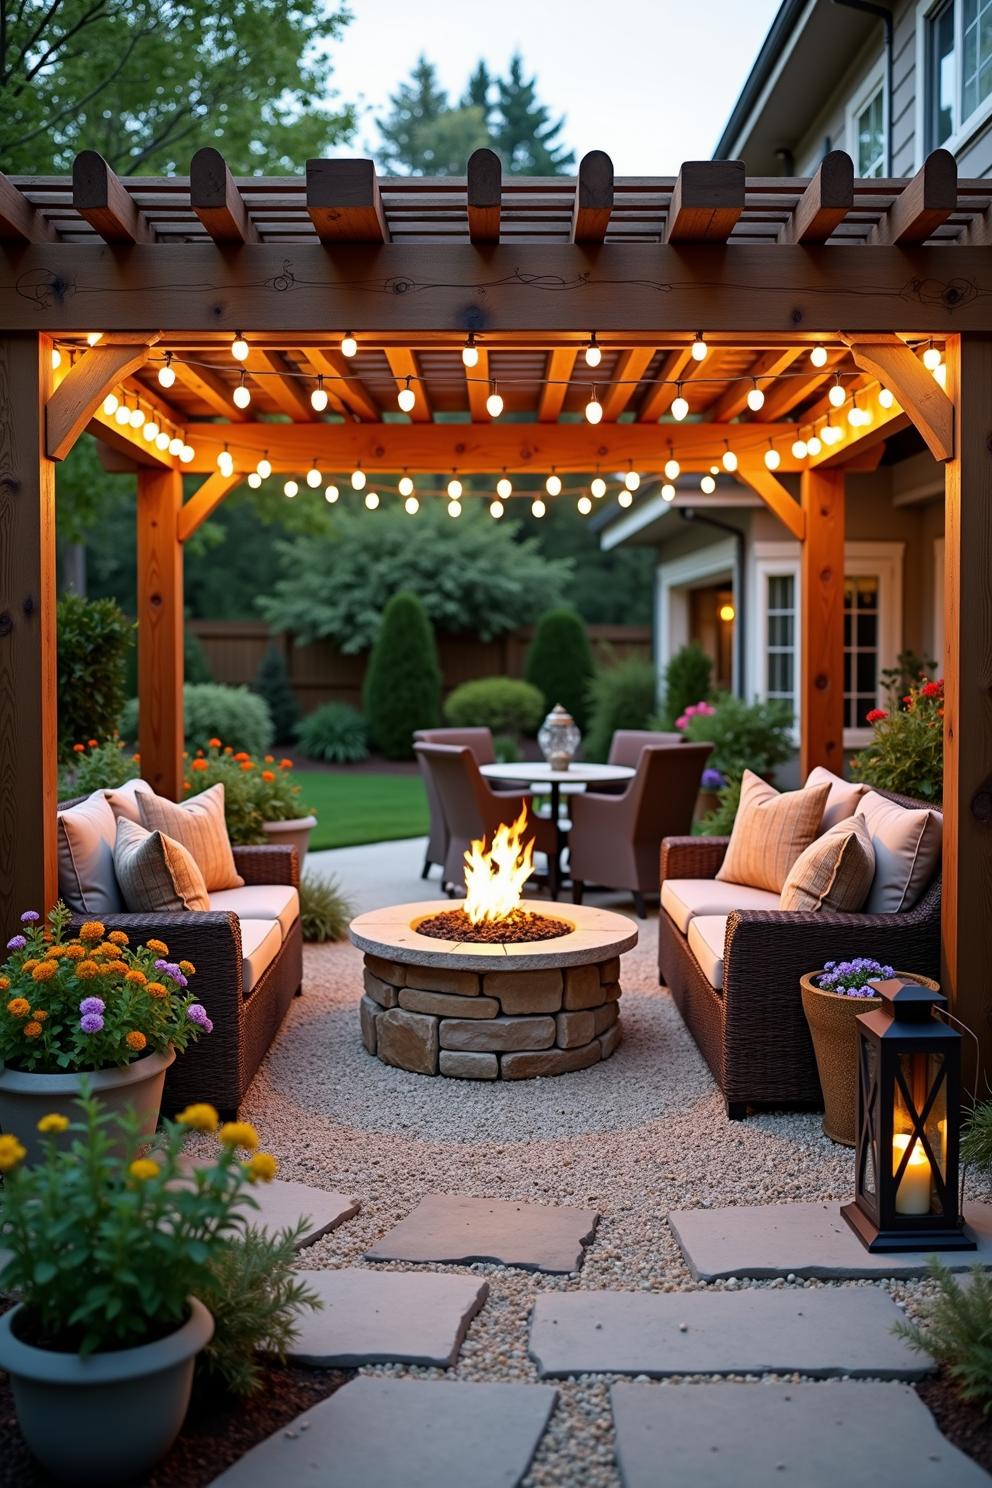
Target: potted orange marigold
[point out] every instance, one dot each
(261, 799)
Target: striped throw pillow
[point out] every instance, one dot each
(200, 826)
(771, 829)
(156, 874)
(835, 871)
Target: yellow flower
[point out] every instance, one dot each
(187, 968)
(39, 1015)
(143, 1168)
(110, 948)
(4, 984)
(32, 1030)
(87, 970)
(136, 976)
(18, 1007)
(157, 989)
(119, 937)
(29, 965)
(44, 970)
(53, 1122)
(239, 1134)
(262, 1168)
(199, 1117)
(158, 946)
(92, 930)
(75, 952)
(11, 1152)
(55, 952)
(136, 1040)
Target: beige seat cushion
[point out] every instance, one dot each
(155, 873)
(707, 934)
(835, 871)
(907, 845)
(200, 826)
(123, 800)
(771, 829)
(684, 898)
(261, 942)
(86, 836)
(842, 798)
(261, 902)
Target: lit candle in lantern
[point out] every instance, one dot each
(913, 1193)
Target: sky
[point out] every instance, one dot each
(651, 82)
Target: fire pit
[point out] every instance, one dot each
(494, 987)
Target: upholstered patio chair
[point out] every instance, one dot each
(627, 744)
(480, 742)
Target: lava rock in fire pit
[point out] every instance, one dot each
(511, 929)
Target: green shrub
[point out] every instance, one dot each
(335, 732)
(976, 1137)
(956, 1330)
(688, 679)
(906, 754)
(196, 668)
(745, 736)
(502, 704)
(506, 749)
(324, 910)
(560, 665)
(272, 683)
(97, 767)
(720, 821)
(622, 696)
(403, 680)
(235, 714)
(94, 638)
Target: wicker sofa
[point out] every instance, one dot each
(751, 1029)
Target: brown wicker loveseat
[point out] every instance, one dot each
(752, 1031)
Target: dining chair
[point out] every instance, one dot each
(480, 742)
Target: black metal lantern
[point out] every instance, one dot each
(909, 1098)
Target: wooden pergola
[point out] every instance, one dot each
(105, 281)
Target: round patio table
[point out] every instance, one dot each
(537, 773)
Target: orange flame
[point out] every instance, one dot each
(495, 879)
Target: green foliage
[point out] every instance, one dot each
(142, 1241)
(688, 679)
(471, 575)
(906, 754)
(720, 821)
(403, 678)
(236, 715)
(524, 134)
(97, 767)
(324, 910)
(255, 791)
(502, 704)
(254, 1294)
(94, 637)
(506, 749)
(745, 736)
(195, 666)
(956, 1330)
(272, 683)
(146, 82)
(621, 696)
(976, 1137)
(559, 663)
(335, 732)
(910, 669)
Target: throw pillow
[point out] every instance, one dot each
(907, 845)
(156, 874)
(771, 829)
(200, 826)
(123, 800)
(835, 871)
(86, 834)
(842, 797)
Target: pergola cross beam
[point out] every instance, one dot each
(84, 387)
(921, 396)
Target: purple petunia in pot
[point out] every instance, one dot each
(851, 978)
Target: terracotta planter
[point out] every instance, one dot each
(25, 1098)
(108, 1418)
(706, 801)
(831, 1016)
(293, 833)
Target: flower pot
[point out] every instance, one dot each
(292, 833)
(706, 801)
(25, 1098)
(108, 1418)
(831, 1016)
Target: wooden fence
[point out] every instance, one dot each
(321, 673)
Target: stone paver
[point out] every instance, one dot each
(803, 1240)
(386, 1317)
(807, 1436)
(833, 1331)
(385, 1433)
(456, 1229)
(281, 1206)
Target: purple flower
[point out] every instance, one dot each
(30, 916)
(91, 1023)
(712, 780)
(197, 1013)
(171, 970)
(92, 1005)
(16, 943)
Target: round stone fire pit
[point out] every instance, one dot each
(496, 1009)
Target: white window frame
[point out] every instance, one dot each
(673, 582)
(963, 130)
(871, 84)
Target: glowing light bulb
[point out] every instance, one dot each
(672, 469)
(407, 398)
(162, 439)
(772, 459)
(625, 497)
(818, 356)
(813, 445)
(314, 478)
(358, 479)
(150, 430)
(667, 492)
(94, 337)
(504, 487)
(254, 480)
(885, 398)
(729, 460)
(494, 404)
(594, 410)
(239, 348)
(454, 508)
(593, 352)
(931, 357)
(755, 399)
(411, 506)
(331, 494)
(836, 396)
(940, 374)
(854, 415)
(680, 406)
(290, 489)
(186, 454)
(584, 505)
(349, 346)
(111, 403)
(598, 487)
(470, 354)
(264, 467)
(707, 485)
(241, 396)
(454, 489)
(632, 480)
(166, 374)
(727, 613)
(371, 500)
(406, 486)
(537, 508)
(56, 358)
(496, 509)
(800, 449)
(175, 445)
(122, 415)
(318, 398)
(225, 462)
(832, 433)
(137, 418)
(553, 485)
(699, 348)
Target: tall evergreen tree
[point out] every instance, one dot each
(477, 94)
(524, 134)
(415, 107)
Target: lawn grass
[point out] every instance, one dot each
(362, 807)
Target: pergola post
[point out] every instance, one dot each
(966, 903)
(822, 621)
(160, 630)
(28, 720)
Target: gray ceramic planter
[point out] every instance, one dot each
(25, 1098)
(108, 1418)
(293, 833)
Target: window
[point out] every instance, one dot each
(976, 58)
(870, 127)
(780, 636)
(940, 75)
(861, 660)
(954, 61)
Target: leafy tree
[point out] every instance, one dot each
(524, 134)
(688, 680)
(479, 90)
(94, 637)
(559, 663)
(146, 82)
(472, 575)
(620, 697)
(423, 135)
(272, 683)
(607, 588)
(403, 680)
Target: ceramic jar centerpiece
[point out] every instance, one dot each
(832, 1000)
(261, 799)
(88, 1007)
(101, 1345)
(559, 738)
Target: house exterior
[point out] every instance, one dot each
(887, 88)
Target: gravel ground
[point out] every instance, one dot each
(634, 1137)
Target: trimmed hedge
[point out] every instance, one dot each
(560, 665)
(403, 680)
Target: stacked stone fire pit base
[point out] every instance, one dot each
(490, 1012)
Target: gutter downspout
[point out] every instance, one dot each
(690, 514)
(885, 16)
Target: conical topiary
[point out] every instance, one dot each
(403, 680)
(559, 663)
(273, 684)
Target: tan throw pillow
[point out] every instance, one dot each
(156, 874)
(835, 871)
(907, 845)
(86, 857)
(842, 797)
(123, 800)
(200, 826)
(771, 829)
